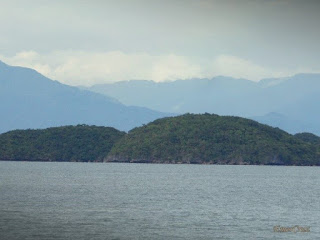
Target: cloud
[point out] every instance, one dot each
(242, 68)
(88, 68)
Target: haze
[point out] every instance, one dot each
(90, 42)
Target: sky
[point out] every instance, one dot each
(88, 42)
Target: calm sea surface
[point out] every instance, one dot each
(153, 201)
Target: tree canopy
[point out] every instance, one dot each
(69, 143)
(209, 138)
(190, 138)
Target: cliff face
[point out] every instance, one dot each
(212, 139)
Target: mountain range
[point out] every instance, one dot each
(31, 100)
(290, 103)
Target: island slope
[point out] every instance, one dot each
(212, 139)
(308, 137)
(80, 143)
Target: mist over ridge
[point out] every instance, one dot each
(31, 100)
(289, 103)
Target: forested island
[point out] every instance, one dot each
(189, 138)
(79, 143)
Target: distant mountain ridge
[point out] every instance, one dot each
(295, 99)
(31, 100)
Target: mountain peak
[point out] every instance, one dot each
(2, 64)
(31, 100)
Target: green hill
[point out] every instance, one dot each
(190, 138)
(308, 137)
(70, 143)
(212, 139)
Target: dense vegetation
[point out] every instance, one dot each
(190, 138)
(213, 139)
(69, 143)
(308, 137)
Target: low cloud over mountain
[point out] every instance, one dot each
(30, 100)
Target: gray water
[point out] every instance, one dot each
(153, 201)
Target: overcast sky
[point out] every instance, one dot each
(87, 42)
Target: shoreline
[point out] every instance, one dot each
(159, 163)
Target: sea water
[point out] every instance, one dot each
(157, 201)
